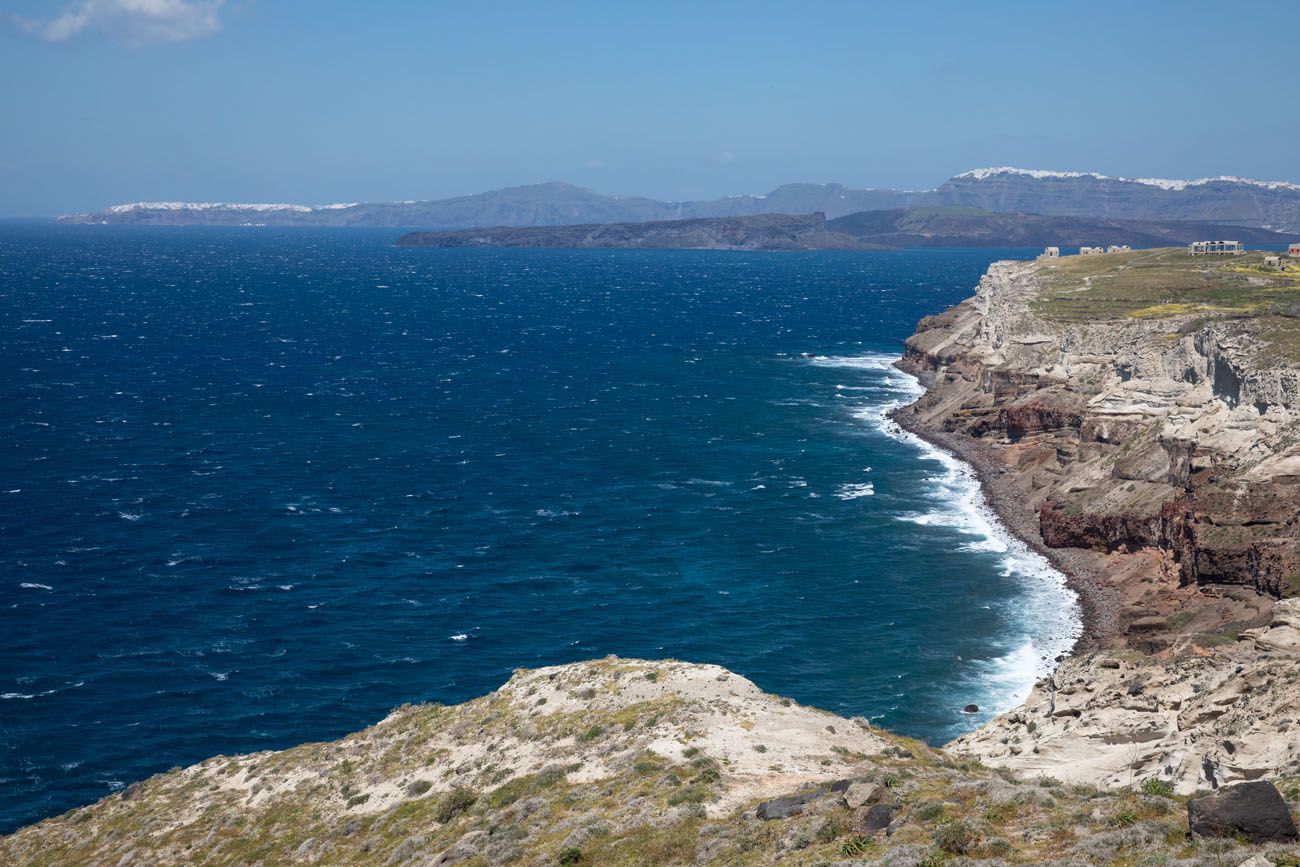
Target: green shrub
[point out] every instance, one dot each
(955, 837)
(928, 811)
(1157, 788)
(1124, 818)
(511, 791)
(572, 855)
(859, 845)
(996, 814)
(553, 774)
(647, 765)
(688, 795)
(591, 734)
(996, 847)
(455, 802)
(419, 787)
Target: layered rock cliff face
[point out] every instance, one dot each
(1171, 442)
(1145, 426)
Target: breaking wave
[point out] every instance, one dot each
(1049, 619)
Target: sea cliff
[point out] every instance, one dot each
(1137, 417)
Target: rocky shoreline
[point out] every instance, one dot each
(1099, 604)
(1153, 459)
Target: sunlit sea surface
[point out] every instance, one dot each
(257, 487)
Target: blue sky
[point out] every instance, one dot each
(106, 101)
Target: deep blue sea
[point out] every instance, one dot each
(257, 487)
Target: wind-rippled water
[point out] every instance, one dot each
(260, 486)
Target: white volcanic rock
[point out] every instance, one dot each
(1117, 719)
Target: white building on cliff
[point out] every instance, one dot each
(1215, 248)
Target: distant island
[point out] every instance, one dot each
(866, 230)
(1229, 200)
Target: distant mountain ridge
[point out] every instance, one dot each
(863, 230)
(549, 204)
(1225, 200)
(1237, 201)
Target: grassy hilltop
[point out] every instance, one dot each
(1167, 282)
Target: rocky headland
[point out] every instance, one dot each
(1135, 416)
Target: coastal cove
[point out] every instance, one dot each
(299, 478)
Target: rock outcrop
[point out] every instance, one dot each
(1196, 721)
(1154, 452)
(621, 762)
(1254, 811)
(1173, 440)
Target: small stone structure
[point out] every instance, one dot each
(1055, 252)
(1091, 251)
(1119, 248)
(1274, 262)
(1215, 248)
(1293, 251)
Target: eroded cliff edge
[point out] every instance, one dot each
(1137, 416)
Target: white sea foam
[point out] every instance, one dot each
(1004, 677)
(24, 696)
(1050, 620)
(28, 585)
(852, 491)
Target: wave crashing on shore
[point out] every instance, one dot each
(1049, 619)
